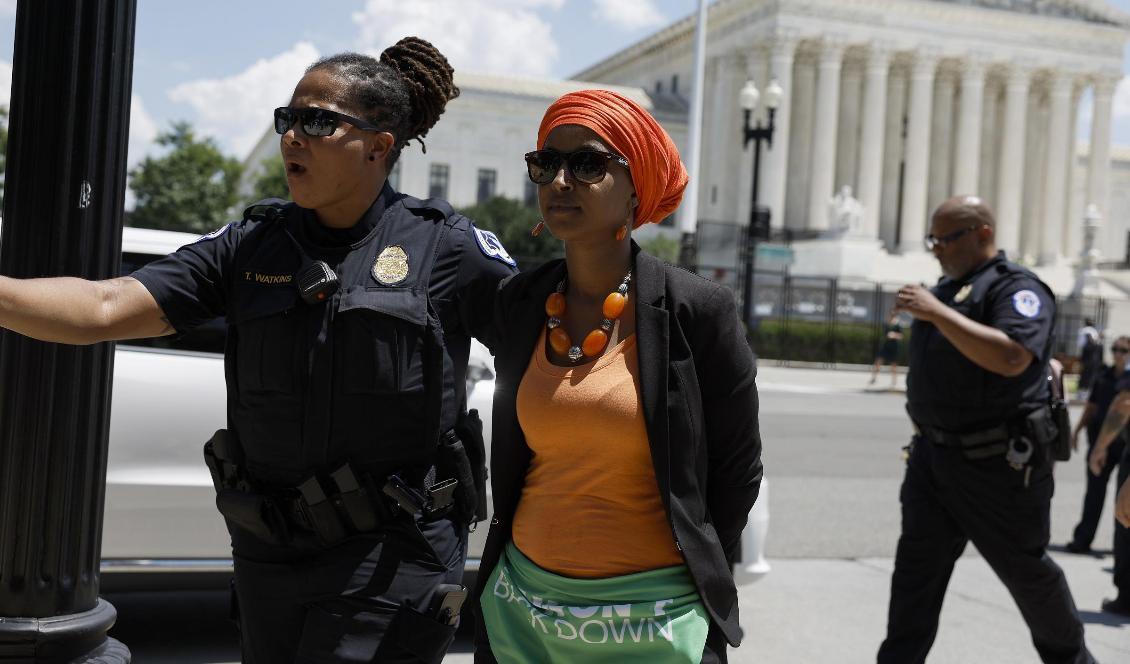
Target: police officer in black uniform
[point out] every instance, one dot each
(347, 473)
(980, 464)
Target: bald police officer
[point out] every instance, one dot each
(980, 466)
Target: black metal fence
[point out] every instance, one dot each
(825, 320)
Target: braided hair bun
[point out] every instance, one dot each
(429, 80)
(404, 92)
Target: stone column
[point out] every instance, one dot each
(967, 162)
(894, 140)
(824, 134)
(724, 129)
(942, 125)
(1012, 162)
(1098, 169)
(847, 131)
(800, 143)
(912, 225)
(1055, 183)
(871, 137)
(776, 163)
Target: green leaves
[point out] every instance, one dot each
(192, 188)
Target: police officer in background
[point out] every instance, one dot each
(347, 473)
(980, 465)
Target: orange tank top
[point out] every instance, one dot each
(590, 507)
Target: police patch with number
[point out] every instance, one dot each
(1026, 303)
(492, 247)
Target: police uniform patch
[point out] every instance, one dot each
(214, 234)
(963, 293)
(1026, 303)
(492, 247)
(391, 266)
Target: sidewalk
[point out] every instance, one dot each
(835, 611)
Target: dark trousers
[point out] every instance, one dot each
(364, 600)
(947, 501)
(1095, 497)
(1122, 538)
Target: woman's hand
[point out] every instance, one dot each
(1097, 460)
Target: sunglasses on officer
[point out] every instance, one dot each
(588, 165)
(943, 241)
(316, 121)
(1118, 350)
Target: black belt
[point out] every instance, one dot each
(975, 444)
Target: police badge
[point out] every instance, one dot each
(963, 293)
(391, 266)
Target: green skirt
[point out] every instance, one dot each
(532, 615)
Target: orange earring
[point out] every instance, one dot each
(621, 233)
(537, 229)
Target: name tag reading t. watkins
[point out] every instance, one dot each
(267, 279)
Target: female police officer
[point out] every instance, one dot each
(344, 487)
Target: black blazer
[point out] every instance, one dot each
(700, 405)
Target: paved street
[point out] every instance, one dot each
(833, 459)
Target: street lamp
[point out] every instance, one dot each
(758, 228)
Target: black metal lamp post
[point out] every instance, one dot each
(66, 180)
(758, 228)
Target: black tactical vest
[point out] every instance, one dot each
(358, 378)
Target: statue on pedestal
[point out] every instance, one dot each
(845, 213)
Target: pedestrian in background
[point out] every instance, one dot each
(625, 450)
(1098, 403)
(1090, 347)
(1112, 433)
(980, 464)
(889, 351)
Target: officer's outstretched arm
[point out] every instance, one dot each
(77, 311)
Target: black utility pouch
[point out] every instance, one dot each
(470, 430)
(1061, 445)
(253, 513)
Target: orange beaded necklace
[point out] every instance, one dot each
(596, 340)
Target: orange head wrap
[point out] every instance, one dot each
(653, 160)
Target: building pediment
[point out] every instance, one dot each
(1088, 11)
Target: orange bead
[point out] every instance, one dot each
(555, 305)
(595, 343)
(559, 339)
(614, 306)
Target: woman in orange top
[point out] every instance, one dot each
(625, 454)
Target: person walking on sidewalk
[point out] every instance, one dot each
(889, 351)
(980, 467)
(1102, 393)
(1113, 432)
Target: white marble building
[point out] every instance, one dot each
(907, 102)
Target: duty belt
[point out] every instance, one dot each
(329, 507)
(974, 445)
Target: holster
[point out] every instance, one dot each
(452, 461)
(469, 428)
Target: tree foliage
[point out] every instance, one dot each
(271, 182)
(512, 222)
(192, 188)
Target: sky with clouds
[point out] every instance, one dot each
(223, 64)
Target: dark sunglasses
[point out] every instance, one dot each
(941, 242)
(1119, 349)
(316, 121)
(587, 166)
